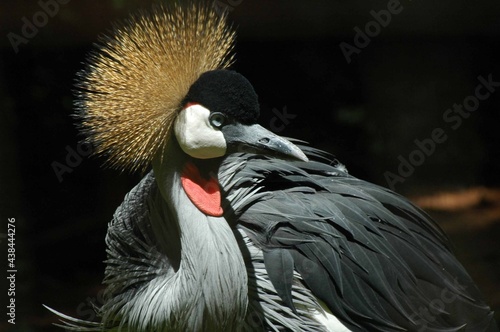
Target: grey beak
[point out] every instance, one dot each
(256, 139)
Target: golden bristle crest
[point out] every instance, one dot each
(135, 82)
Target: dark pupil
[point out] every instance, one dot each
(217, 119)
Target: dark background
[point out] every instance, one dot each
(367, 112)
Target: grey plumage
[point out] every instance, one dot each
(376, 260)
(141, 274)
(202, 275)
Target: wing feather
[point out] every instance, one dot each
(376, 260)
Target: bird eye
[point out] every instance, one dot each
(217, 119)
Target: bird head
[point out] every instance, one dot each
(220, 116)
(163, 77)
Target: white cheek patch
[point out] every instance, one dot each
(195, 134)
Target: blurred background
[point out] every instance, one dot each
(375, 101)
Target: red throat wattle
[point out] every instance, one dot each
(205, 194)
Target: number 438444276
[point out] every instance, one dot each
(11, 243)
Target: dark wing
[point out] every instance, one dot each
(134, 258)
(376, 260)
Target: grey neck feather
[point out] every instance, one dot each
(208, 291)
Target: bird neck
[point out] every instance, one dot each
(211, 278)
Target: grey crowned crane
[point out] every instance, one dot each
(236, 228)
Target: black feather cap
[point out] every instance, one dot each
(228, 92)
